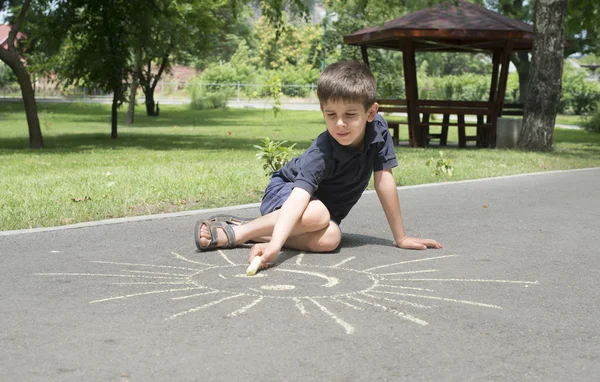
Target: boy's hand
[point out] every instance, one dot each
(416, 243)
(266, 251)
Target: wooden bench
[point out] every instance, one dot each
(485, 134)
(393, 106)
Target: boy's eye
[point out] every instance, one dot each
(351, 115)
(331, 115)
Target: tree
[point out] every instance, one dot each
(582, 30)
(546, 72)
(11, 56)
(97, 46)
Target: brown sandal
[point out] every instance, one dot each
(213, 227)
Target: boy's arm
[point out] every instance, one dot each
(385, 185)
(288, 216)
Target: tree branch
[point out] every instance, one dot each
(16, 27)
(163, 65)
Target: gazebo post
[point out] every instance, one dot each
(365, 54)
(492, 119)
(410, 82)
(505, 62)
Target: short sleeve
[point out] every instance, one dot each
(314, 166)
(385, 157)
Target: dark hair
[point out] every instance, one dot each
(347, 81)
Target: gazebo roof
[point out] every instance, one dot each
(447, 27)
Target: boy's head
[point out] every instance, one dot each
(346, 91)
(349, 82)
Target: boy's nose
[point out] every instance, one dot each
(340, 123)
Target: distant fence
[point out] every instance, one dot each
(180, 91)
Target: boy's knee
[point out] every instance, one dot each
(329, 241)
(328, 245)
(316, 216)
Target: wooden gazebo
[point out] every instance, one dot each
(449, 27)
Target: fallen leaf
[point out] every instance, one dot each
(484, 206)
(229, 133)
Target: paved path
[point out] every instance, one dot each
(512, 296)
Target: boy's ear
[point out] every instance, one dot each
(372, 112)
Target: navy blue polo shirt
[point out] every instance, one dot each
(338, 175)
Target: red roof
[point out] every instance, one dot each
(462, 27)
(4, 31)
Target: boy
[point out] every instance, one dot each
(307, 199)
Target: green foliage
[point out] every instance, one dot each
(298, 45)
(274, 154)
(464, 87)
(443, 165)
(592, 122)
(7, 76)
(236, 70)
(579, 95)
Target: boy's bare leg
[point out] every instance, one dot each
(314, 220)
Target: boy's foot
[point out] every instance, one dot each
(210, 234)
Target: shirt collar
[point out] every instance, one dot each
(343, 154)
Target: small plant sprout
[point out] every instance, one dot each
(274, 154)
(443, 166)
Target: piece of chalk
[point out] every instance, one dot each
(254, 265)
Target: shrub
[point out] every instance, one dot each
(592, 122)
(201, 100)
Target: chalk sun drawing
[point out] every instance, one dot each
(307, 288)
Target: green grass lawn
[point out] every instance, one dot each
(188, 159)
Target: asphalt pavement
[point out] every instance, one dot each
(513, 295)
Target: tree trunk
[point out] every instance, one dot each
(114, 115)
(134, 85)
(131, 106)
(523, 65)
(150, 104)
(546, 72)
(35, 133)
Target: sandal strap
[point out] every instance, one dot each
(230, 234)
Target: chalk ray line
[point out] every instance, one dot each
(349, 328)
(474, 280)
(300, 306)
(141, 294)
(331, 281)
(143, 265)
(155, 273)
(416, 305)
(343, 262)
(408, 261)
(183, 282)
(346, 303)
(226, 258)
(212, 303)
(223, 277)
(396, 312)
(108, 275)
(409, 272)
(182, 258)
(245, 308)
(299, 259)
(443, 299)
(256, 290)
(194, 295)
(404, 287)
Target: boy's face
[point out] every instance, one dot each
(346, 121)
